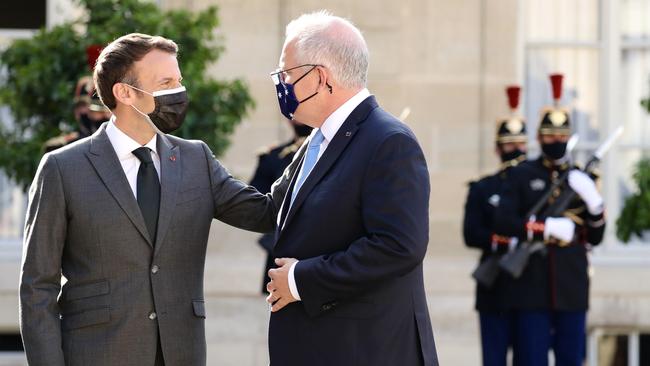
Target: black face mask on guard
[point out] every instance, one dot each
(511, 155)
(555, 150)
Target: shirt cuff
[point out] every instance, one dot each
(292, 282)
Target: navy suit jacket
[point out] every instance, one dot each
(359, 226)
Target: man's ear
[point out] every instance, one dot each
(123, 93)
(324, 78)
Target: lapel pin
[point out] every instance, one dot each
(172, 158)
(348, 134)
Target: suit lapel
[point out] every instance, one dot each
(330, 156)
(170, 177)
(284, 209)
(103, 158)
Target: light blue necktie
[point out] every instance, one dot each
(310, 160)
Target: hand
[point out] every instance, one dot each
(514, 241)
(585, 187)
(279, 292)
(560, 228)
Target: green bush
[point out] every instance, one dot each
(635, 216)
(39, 76)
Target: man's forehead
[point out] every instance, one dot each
(158, 66)
(286, 58)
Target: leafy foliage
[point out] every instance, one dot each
(635, 216)
(39, 75)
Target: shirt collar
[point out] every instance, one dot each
(123, 144)
(332, 124)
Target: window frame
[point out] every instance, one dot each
(610, 47)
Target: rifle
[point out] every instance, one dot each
(515, 262)
(487, 271)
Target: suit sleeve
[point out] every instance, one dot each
(476, 231)
(237, 203)
(395, 208)
(40, 280)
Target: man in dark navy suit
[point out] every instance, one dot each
(353, 228)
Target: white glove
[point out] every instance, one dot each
(513, 243)
(585, 187)
(560, 228)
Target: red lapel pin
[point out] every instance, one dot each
(172, 158)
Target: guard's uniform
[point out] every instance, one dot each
(558, 280)
(85, 102)
(483, 198)
(270, 166)
(492, 303)
(552, 295)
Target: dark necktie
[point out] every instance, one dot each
(148, 190)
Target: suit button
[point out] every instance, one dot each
(326, 307)
(153, 315)
(155, 269)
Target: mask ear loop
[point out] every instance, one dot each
(316, 92)
(146, 116)
(138, 89)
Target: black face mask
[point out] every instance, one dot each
(88, 124)
(301, 130)
(170, 108)
(511, 155)
(554, 151)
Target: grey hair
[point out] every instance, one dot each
(324, 39)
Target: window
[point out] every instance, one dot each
(557, 41)
(24, 14)
(604, 54)
(634, 84)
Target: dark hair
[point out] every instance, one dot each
(115, 62)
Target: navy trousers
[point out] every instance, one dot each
(496, 336)
(536, 332)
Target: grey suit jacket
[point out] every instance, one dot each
(123, 292)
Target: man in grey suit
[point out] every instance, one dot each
(124, 216)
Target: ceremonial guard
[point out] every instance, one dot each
(492, 294)
(551, 296)
(272, 162)
(89, 111)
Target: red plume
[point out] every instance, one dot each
(513, 96)
(92, 54)
(556, 82)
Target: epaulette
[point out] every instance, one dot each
(292, 148)
(61, 140)
(264, 150)
(595, 172)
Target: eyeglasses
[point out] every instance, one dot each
(280, 75)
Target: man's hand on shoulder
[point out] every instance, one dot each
(279, 291)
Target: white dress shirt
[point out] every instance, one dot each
(329, 128)
(124, 146)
